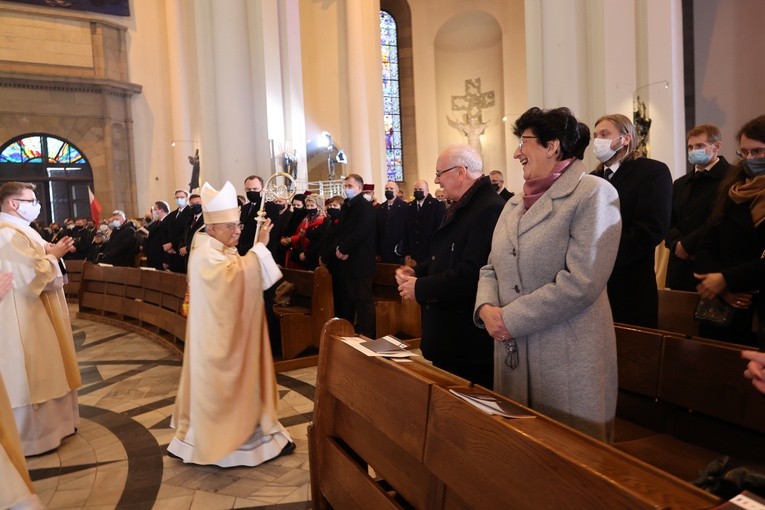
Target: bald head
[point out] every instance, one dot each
(422, 186)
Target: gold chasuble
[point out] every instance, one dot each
(225, 411)
(37, 356)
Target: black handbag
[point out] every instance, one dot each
(714, 311)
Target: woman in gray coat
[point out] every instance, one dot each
(542, 295)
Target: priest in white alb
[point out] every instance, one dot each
(37, 356)
(225, 412)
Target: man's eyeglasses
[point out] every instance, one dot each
(522, 139)
(233, 226)
(442, 172)
(759, 152)
(33, 201)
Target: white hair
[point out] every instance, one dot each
(467, 156)
(119, 213)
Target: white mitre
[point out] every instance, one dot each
(219, 206)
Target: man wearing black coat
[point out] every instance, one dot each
(355, 252)
(645, 201)
(391, 220)
(692, 198)
(122, 246)
(177, 224)
(445, 285)
(156, 256)
(424, 216)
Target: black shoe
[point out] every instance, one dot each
(288, 448)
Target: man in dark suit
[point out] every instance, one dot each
(645, 201)
(445, 285)
(391, 220)
(122, 246)
(498, 183)
(355, 252)
(423, 219)
(156, 256)
(253, 187)
(692, 197)
(177, 223)
(196, 224)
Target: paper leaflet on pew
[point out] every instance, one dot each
(490, 404)
(387, 347)
(745, 500)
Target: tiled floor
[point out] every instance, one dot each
(118, 458)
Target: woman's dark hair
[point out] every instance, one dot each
(556, 124)
(583, 142)
(754, 129)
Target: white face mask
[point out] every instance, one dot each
(115, 224)
(602, 150)
(181, 202)
(350, 193)
(28, 210)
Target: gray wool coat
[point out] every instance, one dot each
(548, 271)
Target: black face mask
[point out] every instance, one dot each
(253, 196)
(419, 195)
(311, 212)
(196, 208)
(495, 185)
(389, 194)
(333, 213)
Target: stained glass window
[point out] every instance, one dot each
(32, 149)
(391, 94)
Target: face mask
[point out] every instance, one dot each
(253, 196)
(350, 193)
(368, 197)
(602, 150)
(70, 226)
(181, 202)
(154, 215)
(114, 224)
(388, 194)
(311, 212)
(699, 157)
(754, 167)
(196, 208)
(28, 210)
(419, 195)
(333, 213)
(495, 185)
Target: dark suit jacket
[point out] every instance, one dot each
(506, 194)
(645, 198)
(692, 198)
(158, 236)
(391, 221)
(447, 282)
(82, 239)
(248, 218)
(192, 229)
(734, 247)
(420, 226)
(122, 246)
(356, 238)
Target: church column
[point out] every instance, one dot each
(364, 76)
(183, 142)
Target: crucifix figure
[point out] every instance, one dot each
(472, 103)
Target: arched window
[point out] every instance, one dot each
(60, 171)
(391, 97)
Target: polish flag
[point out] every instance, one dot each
(95, 206)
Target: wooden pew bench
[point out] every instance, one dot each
(393, 315)
(683, 402)
(390, 435)
(676, 309)
(74, 273)
(312, 305)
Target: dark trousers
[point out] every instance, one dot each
(478, 373)
(360, 305)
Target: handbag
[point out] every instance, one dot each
(714, 311)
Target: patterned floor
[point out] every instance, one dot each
(118, 457)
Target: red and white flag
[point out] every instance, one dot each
(95, 206)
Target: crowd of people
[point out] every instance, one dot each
(518, 293)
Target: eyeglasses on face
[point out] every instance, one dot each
(442, 172)
(233, 226)
(759, 152)
(33, 201)
(522, 139)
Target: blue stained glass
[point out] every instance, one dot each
(391, 102)
(30, 150)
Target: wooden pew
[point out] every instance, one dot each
(313, 305)
(390, 435)
(690, 398)
(676, 309)
(74, 273)
(394, 315)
